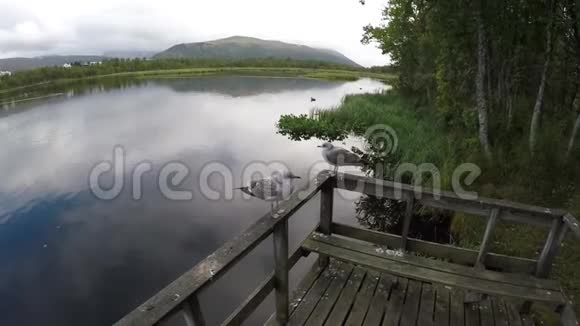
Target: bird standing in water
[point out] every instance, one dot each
(338, 156)
(279, 187)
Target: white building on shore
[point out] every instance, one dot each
(5, 73)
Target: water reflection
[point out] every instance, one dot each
(69, 259)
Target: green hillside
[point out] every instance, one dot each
(241, 47)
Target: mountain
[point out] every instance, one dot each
(16, 64)
(242, 47)
(128, 54)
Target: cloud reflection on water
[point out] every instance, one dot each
(102, 258)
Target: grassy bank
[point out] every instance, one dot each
(544, 180)
(419, 138)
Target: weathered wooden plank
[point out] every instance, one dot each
(486, 242)
(527, 320)
(411, 306)
(499, 312)
(379, 301)
(453, 254)
(429, 275)
(442, 305)
(329, 298)
(471, 314)
(347, 296)
(244, 310)
(214, 266)
(422, 262)
(447, 200)
(457, 308)
(192, 312)
(301, 289)
(407, 221)
(486, 312)
(513, 315)
(326, 205)
(427, 305)
(281, 271)
(304, 286)
(362, 301)
(395, 305)
(568, 316)
(313, 296)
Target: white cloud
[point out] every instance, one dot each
(40, 27)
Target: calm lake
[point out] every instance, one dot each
(69, 258)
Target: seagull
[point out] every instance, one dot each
(339, 156)
(312, 99)
(273, 189)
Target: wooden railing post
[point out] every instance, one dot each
(486, 242)
(551, 247)
(407, 221)
(326, 204)
(192, 312)
(548, 254)
(281, 271)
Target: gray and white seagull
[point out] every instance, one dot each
(279, 187)
(338, 156)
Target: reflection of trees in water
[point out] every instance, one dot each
(234, 86)
(237, 86)
(13, 103)
(387, 215)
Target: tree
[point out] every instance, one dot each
(538, 107)
(481, 96)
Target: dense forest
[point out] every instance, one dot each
(505, 68)
(116, 66)
(494, 83)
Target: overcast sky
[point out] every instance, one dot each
(41, 27)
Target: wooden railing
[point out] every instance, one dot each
(181, 295)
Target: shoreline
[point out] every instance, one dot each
(281, 72)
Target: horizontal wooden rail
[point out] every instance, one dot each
(511, 211)
(453, 254)
(215, 265)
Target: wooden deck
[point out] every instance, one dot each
(364, 277)
(345, 294)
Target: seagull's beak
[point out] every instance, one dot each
(296, 177)
(319, 146)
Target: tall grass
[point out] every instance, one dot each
(545, 178)
(419, 136)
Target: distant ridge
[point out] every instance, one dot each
(16, 64)
(243, 47)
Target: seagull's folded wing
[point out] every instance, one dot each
(341, 156)
(264, 188)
